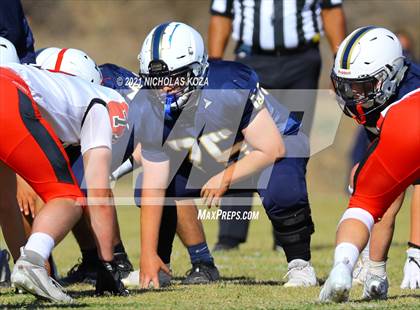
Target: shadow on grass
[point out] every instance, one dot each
(133, 291)
(394, 297)
(81, 293)
(249, 281)
(321, 281)
(158, 291)
(417, 296)
(39, 304)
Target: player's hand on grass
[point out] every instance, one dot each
(26, 197)
(150, 265)
(412, 270)
(213, 190)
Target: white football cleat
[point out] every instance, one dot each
(338, 285)
(133, 279)
(30, 275)
(375, 287)
(300, 273)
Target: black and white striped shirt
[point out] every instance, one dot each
(271, 24)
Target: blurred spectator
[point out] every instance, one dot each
(279, 39)
(407, 44)
(15, 28)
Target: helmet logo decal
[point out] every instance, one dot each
(157, 40)
(343, 71)
(172, 34)
(348, 50)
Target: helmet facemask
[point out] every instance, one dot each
(360, 98)
(173, 88)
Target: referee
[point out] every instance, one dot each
(278, 39)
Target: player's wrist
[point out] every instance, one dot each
(148, 249)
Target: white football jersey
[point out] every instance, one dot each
(66, 103)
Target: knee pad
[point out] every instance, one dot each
(293, 226)
(287, 186)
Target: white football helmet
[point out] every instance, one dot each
(43, 54)
(71, 61)
(171, 55)
(367, 71)
(7, 52)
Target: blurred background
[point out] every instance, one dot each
(113, 31)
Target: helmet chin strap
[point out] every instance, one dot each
(168, 103)
(361, 117)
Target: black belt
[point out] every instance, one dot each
(247, 50)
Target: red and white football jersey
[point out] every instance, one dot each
(79, 112)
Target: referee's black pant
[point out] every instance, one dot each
(292, 71)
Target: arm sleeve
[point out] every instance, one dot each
(96, 130)
(222, 8)
(328, 4)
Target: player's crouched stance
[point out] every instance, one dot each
(366, 75)
(191, 146)
(40, 110)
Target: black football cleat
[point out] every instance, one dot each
(82, 272)
(109, 280)
(123, 264)
(202, 273)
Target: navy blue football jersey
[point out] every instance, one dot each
(208, 131)
(410, 82)
(122, 80)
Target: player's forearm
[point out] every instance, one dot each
(102, 218)
(250, 164)
(150, 219)
(220, 28)
(334, 22)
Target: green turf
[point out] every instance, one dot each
(252, 276)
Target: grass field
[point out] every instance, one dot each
(252, 276)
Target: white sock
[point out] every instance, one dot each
(40, 243)
(346, 253)
(365, 253)
(378, 268)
